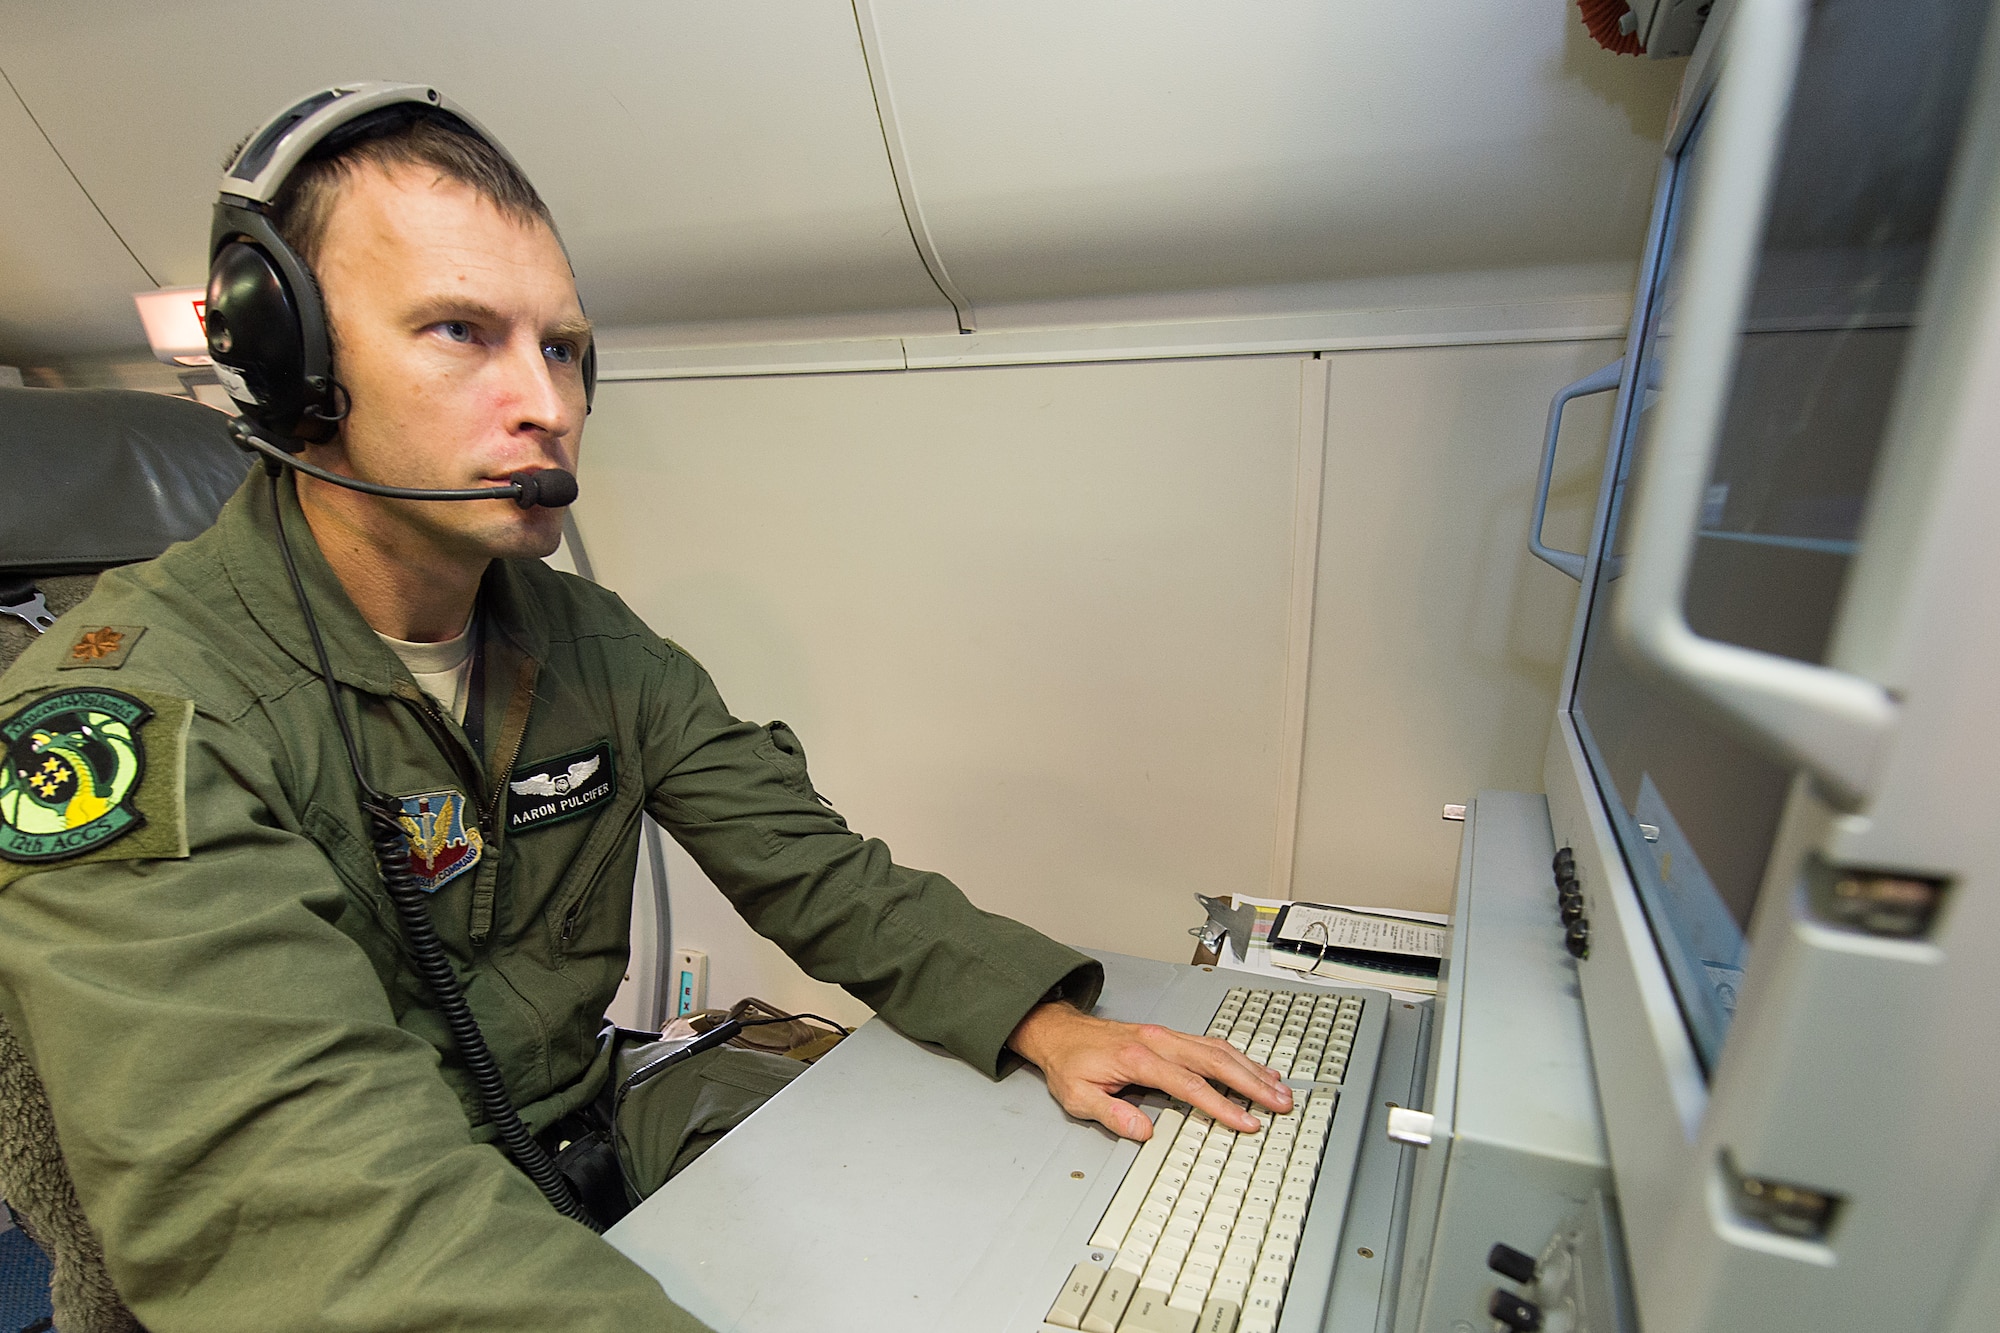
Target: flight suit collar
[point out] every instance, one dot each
(359, 658)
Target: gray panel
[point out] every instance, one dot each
(874, 1171)
(1372, 1244)
(1525, 1146)
(906, 1192)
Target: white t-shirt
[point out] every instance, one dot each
(443, 670)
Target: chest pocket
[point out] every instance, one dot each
(568, 819)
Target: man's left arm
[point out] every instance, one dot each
(906, 942)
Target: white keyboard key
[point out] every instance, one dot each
(1218, 1316)
(1074, 1303)
(1107, 1307)
(1205, 1227)
(1150, 1313)
(1124, 1206)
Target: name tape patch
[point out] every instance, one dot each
(561, 788)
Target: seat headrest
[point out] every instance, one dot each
(91, 478)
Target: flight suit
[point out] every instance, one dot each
(264, 1114)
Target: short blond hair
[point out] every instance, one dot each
(431, 140)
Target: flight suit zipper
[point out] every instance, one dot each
(604, 841)
(489, 817)
(462, 760)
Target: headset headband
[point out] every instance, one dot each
(288, 138)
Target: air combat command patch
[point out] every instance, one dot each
(442, 844)
(73, 762)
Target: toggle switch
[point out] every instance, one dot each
(1577, 939)
(1520, 1315)
(1509, 1262)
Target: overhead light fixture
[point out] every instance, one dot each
(174, 320)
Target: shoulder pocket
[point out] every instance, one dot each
(782, 749)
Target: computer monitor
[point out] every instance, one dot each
(1774, 763)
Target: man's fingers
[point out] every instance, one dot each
(1171, 1076)
(1219, 1060)
(1114, 1113)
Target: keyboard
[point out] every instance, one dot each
(1204, 1230)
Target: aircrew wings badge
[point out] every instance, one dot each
(72, 763)
(561, 788)
(442, 844)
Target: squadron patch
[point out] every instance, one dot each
(73, 762)
(561, 788)
(442, 845)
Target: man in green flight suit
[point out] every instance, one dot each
(266, 1117)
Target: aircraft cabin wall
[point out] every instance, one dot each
(1197, 565)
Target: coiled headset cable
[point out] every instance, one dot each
(420, 937)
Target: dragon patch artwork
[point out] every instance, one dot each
(442, 844)
(562, 788)
(72, 763)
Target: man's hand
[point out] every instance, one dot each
(1088, 1061)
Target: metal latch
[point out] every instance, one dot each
(1225, 922)
(1411, 1127)
(32, 610)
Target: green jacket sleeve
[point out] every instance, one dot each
(905, 942)
(256, 1140)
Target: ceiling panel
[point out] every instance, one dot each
(704, 160)
(714, 165)
(1070, 147)
(66, 283)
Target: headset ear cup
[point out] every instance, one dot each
(256, 342)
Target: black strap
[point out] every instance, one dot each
(16, 589)
(475, 687)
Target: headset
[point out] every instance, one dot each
(267, 336)
(266, 321)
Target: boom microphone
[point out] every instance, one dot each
(549, 488)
